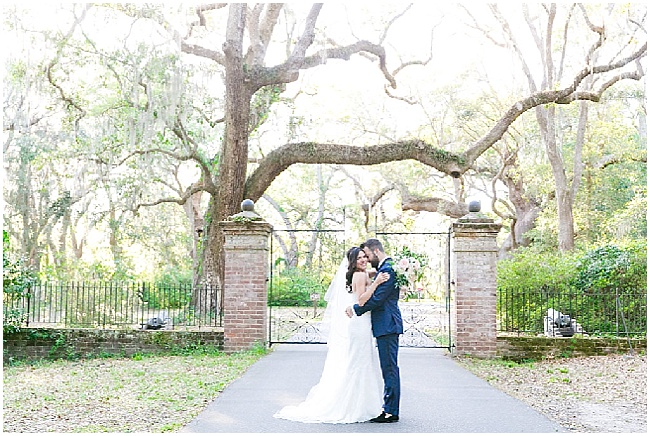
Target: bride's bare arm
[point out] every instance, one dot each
(365, 292)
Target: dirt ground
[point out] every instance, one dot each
(601, 394)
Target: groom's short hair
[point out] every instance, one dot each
(372, 244)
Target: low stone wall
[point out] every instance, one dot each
(34, 344)
(524, 347)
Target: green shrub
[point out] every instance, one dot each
(172, 276)
(605, 288)
(17, 278)
(167, 295)
(294, 287)
(529, 269)
(613, 267)
(621, 273)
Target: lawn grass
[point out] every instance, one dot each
(140, 394)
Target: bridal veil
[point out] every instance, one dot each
(350, 387)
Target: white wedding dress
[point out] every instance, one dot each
(351, 386)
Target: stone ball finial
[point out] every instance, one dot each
(247, 205)
(475, 206)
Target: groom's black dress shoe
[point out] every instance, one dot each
(385, 417)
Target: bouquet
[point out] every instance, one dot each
(408, 267)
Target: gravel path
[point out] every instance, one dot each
(584, 394)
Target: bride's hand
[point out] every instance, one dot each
(382, 277)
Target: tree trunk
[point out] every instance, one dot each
(192, 209)
(114, 242)
(77, 246)
(290, 253)
(526, 212)
(566, 237)
(323, 187)
(524, 222)
(234, 153)
(546, 119)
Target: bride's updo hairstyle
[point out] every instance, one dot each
(352, 255)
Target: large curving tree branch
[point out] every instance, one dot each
(197, 187)
(204, 52)
(311, 153)
(289, 71)
(449, 163)
(70, 103)
(433, 204)
(562, 96)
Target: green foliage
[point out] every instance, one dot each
(12, 319)
(261, 104)
(245, 219)
(130, 95)
(17, 278)
(62, 348)
(258, 349)
(613, 267)
(530, 269)
(172, 276)
(167, 295)
(295, 286)
(597, 287)
(613, 203)
(629, 221)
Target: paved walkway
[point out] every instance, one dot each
(438, 396)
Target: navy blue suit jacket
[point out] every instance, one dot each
(385, 315)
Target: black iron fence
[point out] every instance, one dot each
(565, 313)
(115, 305)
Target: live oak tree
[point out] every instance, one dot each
(138, 109)
(583, 51)
(243, 58)
(252, 84)
(71, 114)
(611, 49)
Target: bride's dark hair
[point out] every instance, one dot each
(352, 255)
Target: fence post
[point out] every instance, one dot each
(29, 292)
(474, 267)
(246, 250)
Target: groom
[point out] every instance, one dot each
(386, 327)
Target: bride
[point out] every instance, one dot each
(351, 386)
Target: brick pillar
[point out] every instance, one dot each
(245, 320)
(474, 267)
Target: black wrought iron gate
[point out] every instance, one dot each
(426, 308)
(303, 263)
